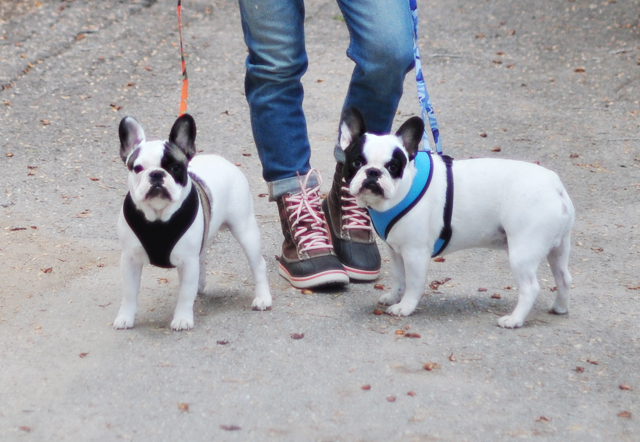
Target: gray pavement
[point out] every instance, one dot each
(550, 81)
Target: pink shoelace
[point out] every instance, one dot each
(305, 216)
(353, 217)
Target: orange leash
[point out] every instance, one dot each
(185, 79)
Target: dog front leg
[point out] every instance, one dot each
(188, 273)
(131, 269)
(416, 265)
(398, 279)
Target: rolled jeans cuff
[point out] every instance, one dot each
(289, 185)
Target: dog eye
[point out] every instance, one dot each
(356, 163)
(392, 168)
(138, 169)
(175, 168)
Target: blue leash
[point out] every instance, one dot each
(423, 96)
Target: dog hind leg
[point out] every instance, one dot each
(524, 266)
(559, 262)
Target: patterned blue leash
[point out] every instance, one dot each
(423, 96)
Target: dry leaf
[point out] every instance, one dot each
(579, 70)
(439, 259)
(479, 35)
(432, 366)
(47, 270)
(147, 68)
(26, 429)
(8, 154)
(246, 154)
(483, 134)
(183, 407)
(262, 195)
(633, 288)
(94, 179)
(222, 342)
(377, 312)
(411, 335)
(496, 296)
(452, 358)
(542, 419)
(297, 336)
(411, 393)
(45, 122)
(163, 280)
(83, 355)
(366, 387)
(399, 332)
(625, 414)
(579, 369)
(482, 289)
(306, 291)
(391, 399)
(574, 155)
(625, 387)
(230, 427)
(378, 286)
(592, 362)
(496, 149)
(497, 61)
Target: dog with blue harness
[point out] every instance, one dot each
(510, 205)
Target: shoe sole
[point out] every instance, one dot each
(362, 275)
(330, 277)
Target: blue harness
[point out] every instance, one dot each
(383, 222)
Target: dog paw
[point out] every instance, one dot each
(558, 310)
(179, 324)
(389, 298)
(123, 321)
(510, 321)
(261, 303)
(401, 309)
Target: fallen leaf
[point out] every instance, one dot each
(579, 369)
(411, 393)
(482, 289)
(452, 358)
(439, 259)
(45, 122)
(479, 35)
(262, 195)
(542, 419)
(306, 291)
(183, 407)
(366, 387)
(8, 154)
(147, 68)
(222, 342)
(598, 249)
(15, 229)
(626, 387)
(625, 414)
(554, 289)
(238, 164)
(592, 362)
(483, 134)
(379, 286)
(400, 332)
(574, 155)
(26, 429)
(496, 296)
(131, 84)
(435, 284)
(512, 31)
(497, 61)
(163, 280)
(391, 399)
(47, 270)
(496, 149)
(94, 179)
(83, 355)
(297, 336)
(432, 366)
(579, 70)
(411, 335)
(230, 427)
(246, 154)
(633, 288)
(377, 312)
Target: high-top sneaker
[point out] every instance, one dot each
(351, 230)
(308, 259)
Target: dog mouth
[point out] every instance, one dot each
(158, 191)
(371, 184)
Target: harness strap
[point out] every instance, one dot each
(205, 201)
(446, 232)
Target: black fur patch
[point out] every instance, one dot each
(354, 159)
(175, 162)
(397, 163)
(132, 158)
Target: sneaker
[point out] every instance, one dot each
(352, 233)
(308, 259)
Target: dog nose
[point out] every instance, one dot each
(373, 173)
(156, 177)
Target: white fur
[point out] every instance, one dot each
(512, 205)
(231, 206)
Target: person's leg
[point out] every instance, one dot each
(382, 47)
(274, 34)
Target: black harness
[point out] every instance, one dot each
(159, 238)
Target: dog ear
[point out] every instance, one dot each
(131, 135)
(411, 134)
(183, 135)
(352, 126)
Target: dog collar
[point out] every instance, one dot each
(159, 238)
(383, 222)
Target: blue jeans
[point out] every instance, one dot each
(381, 46)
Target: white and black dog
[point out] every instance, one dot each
(175, 205)
(423, 205)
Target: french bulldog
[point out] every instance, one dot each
(176, 203)
(516, 206)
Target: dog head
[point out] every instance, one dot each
(375, 165)
(158, 175)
